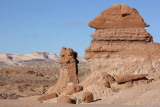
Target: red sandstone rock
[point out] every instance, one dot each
(118, 16)
(107, 84)
(87, 97)
(120, 33)
(68, 71)
(64, 99)
(49, 96)
(126, 78)
(120, 45)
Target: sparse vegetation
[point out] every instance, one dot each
(31, 80)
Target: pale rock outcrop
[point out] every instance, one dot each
(68, 71)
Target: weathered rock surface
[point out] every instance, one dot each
(120, 43)
(126, 78)
(73, 89)
(118, 16)
(49, 96)
(107, 84)
(120, 33)
(64, 99)
(68, 71)
(87, 97)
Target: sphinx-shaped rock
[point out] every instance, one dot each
(118, 16)
(120, 44)
(68, 71)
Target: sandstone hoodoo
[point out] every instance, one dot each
(68, 71)
(120, 43)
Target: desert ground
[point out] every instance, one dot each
(120, 68)
(21, 86)
(17, 82)
(16, 103)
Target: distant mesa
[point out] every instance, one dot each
(32, 59)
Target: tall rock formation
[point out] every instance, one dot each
(68, 71)
(120, 43)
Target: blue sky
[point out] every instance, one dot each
(47, 25)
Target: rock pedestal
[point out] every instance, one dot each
(68, 71)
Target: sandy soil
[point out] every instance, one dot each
(17, 103)
(13, 86)
(16, 82)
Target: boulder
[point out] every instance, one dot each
(126, 78)
(64, 99)
(87, 97)
(107, 84)
(107, 77)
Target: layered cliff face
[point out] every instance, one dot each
(120, 43)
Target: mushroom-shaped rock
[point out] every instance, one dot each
(46, 97)
(87, 97)
(64, 99)
(118, 16)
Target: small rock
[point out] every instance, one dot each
(87, 97)
(107, 84)
(64, 99)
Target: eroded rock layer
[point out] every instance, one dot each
(120, 43)
(117, 39)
